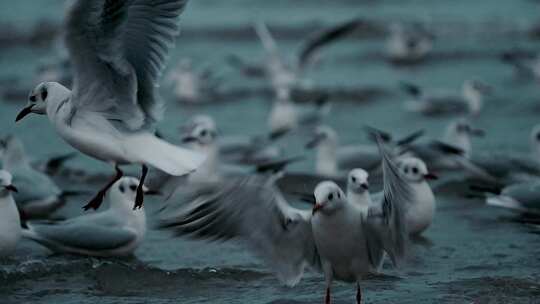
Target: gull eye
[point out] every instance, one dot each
(44, 95)
(33, 98)
(538, 136)
(415, 170)
(406, 170)
(339, 195)
(204, 133)
(133, 187)
(353, 179)
(122, 189)
(330, 196)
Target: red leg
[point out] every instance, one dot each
(139, 199)
(95, 203)
(358, 294)
(327, 299)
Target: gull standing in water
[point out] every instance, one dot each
(38, 195)
(525, 64)
(469, 102)
(452, 153)
(335, 237)
(408, 43)
(117, 231)
(190, 85)
(235, 149)
(286, 116)
(202, 137)
(117, 49)
(420, 208)
(10, 224)
(185, 82)
(358, 189)
(521, 197)
(512, 167)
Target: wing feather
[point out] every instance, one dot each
(118, 49)
(256, 213)
(385, 223)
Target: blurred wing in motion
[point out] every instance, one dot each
(385, 223)
(331, 35)
(411, 138)
(257, 214)
(118, 51)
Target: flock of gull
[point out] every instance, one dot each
(364, 202)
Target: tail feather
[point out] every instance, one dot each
(504, 202)
(173, 160)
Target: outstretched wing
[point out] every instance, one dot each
(385, 224)
(256, 213)
(118, 49)
(326, 37)
(266, 38)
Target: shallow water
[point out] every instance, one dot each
(471, 254)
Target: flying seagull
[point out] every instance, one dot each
(118, 51)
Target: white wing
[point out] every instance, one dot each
(256, 213)
(385, 224)
(96, 232)
(118, 49)
(266, 38)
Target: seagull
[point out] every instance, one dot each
(459, 132)
(335, 237)
(521, 197)
(117, 49)
(469, 102)
(331, 157)
(117, 231)
(408, 43)
(202, 132)
(190, 85)
(420, 208)
(10, 224)
(525, 63)
(186, 84)
(512, 167)
(452, 153)
(38, 195)
(202, 137)
(358, 189)
(283, 76)
(285, 115)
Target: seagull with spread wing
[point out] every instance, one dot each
(118, 51)
(336, 236)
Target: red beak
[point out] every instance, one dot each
(431, 176)
(316, 208)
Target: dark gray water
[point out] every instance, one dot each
(471, 254)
